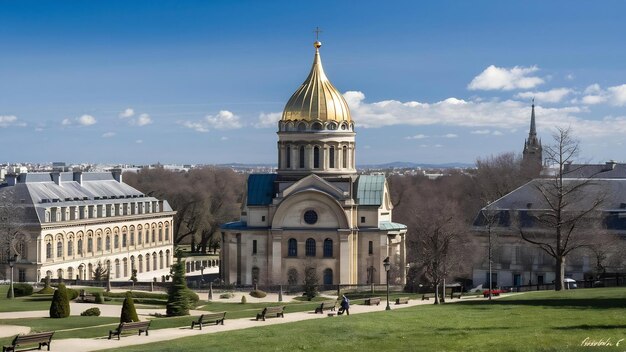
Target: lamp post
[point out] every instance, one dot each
(386, 264)
(11, 265)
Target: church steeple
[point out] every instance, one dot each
(532, 154)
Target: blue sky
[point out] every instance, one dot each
(204, 81)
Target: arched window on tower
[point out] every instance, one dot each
(316, 157)
(345, 157)
(302, 157)
(310, 247)
(288, 157)
(328, 248)
(331, 157)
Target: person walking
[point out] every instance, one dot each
(345, 305)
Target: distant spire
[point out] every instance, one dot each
(533, 130)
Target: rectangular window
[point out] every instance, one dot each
(21, 276)
(254, 247)
(362, 219)
(370, 249)
(263, 218)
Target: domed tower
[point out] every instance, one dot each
(316, 133)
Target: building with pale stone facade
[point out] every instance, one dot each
(315, 212)
(70, 222)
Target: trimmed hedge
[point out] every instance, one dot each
(91, 312)
(98, 298)
(129, 313)
(258, 294)
(227, 295)
(60, 305)
(21, 290)
(46, 291)
(136, 294)
(72, 294)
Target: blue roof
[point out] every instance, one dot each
(234, 225)
(370, 189)
(261, 189)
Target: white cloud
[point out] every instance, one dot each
(108, 134)
(224, 138)
(480, 132)
(142, 120)
(224, 120)
(497, 133)
(268, 120)
(501, 78)
(550, 96)
(10, 120)
(197, 126)
(450, 135)
(129, 112)
(86, 120)
(438, 145)
(417, 136)
(66, 122)
(569, 77)
(615, 95)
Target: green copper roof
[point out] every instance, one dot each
(370, 189)
(261, 189)
(388, 225)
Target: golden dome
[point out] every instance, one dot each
(317, 98)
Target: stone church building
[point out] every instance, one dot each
(315, 212)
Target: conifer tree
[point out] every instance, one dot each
(178, 295)
(60, 306)
(129, 313)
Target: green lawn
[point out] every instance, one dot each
(544, 321)
(81, 326)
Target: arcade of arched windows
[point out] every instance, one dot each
(70, 245)
(316, 156)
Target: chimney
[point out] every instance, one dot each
(78, 177)
(610, 165)
(117, 174)
(56, 177)
(11, 178)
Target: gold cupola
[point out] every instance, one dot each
(317, 99)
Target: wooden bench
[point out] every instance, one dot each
(278, 311)
(454, 295)
(218, 318)
(332, 305)
(427, 296)
(402, 300)
(86, 296)
(142, 326)
(372, 300)
(41, 338)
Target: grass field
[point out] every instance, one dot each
(538, 321)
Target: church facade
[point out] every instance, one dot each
(315, 212)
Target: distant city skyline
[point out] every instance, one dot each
(199, 82)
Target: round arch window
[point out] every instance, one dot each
(310, 217)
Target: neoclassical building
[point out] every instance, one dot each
(72, 221)
(315, 212)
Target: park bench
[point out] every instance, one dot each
(402, 300)
(372, 300)
(427, 296)
(278, 311)
(454, 295)
(332, 305)
(141, 326)
(218, 318)
(41, 338)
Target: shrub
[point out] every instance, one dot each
(21, 290)
(136, 294)
(60, 305)
(46, 291)
(180, 298)
(258, 294)
(72, 294)
(98, 298)
(129, 313)
(193, 298)
(243, 299)
(227, 295)
(91, 312)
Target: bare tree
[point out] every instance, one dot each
(13, 238)
(569, 207)
(203, 199)
(437, 241)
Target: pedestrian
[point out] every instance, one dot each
(345, 305)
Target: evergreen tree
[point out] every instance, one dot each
(178, 300)
(311, 281)
(60, 306)
(129, 313)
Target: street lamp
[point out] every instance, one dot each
(11, 265)
(386, 264)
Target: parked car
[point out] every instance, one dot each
(570, 283)
(494, 292)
